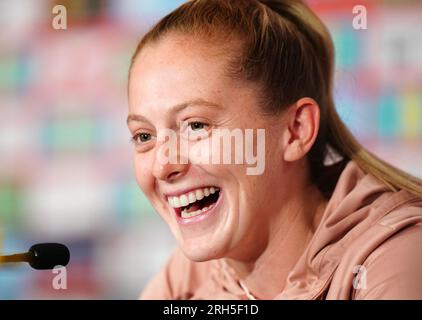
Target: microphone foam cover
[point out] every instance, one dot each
(48, 255)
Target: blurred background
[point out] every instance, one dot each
(66, 171)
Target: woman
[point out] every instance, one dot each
(325, 219)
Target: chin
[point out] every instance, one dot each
(200, 251)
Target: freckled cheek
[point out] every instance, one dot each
(210, 155)
(143, 174)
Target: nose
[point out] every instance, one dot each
(168, 169)
(168, 172)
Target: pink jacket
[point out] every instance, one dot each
(368, 246)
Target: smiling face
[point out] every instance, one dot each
(214, 210)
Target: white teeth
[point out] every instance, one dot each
(176, 202)
(190, 214)
(185, 199)
(192, 197)
(171, 203)
(199, 194)
(186, 214)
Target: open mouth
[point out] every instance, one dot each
(195, 202)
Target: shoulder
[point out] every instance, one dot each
(179, 278)
(393, 269)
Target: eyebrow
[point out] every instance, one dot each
(177, 108)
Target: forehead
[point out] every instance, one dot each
(177, 54)
(175, 68)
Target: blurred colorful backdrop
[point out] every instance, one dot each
(66, 171)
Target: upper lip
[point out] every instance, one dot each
(179, 192)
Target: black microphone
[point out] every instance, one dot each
(41, 256)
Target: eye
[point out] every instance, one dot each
(195, 130)
(196, 125)
(142, 137)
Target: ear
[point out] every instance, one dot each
(302, 127)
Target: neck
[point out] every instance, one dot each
(289, 232)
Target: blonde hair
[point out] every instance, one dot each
(287, 50)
